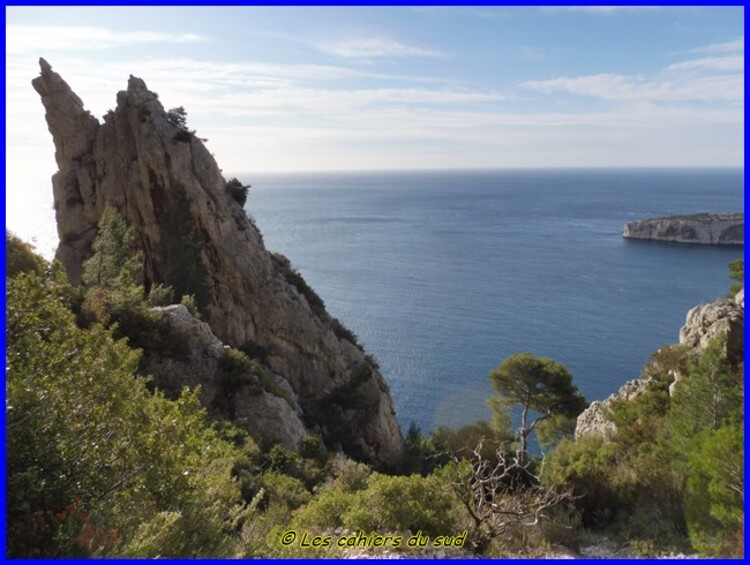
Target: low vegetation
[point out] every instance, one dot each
(237, 190)
(101, 463)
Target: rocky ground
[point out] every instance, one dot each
(594, 546)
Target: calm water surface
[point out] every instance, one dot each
(444, 274)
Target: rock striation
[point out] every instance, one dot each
(197, 238)
(712, 229)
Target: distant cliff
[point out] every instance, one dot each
(712, 229)
(196, 237)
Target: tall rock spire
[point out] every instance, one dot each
(198, 239)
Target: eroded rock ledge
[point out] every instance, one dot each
(198, 239)
(710, 229)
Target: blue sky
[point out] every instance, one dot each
(295, 89)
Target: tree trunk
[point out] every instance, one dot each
(524, 435)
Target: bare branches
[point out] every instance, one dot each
(503, 496)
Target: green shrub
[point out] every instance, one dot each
(312, 447)
(254, 351)
(97, 465)
(737, 274)
(586, 464)
(21, 258)
(326, 510)
(283, 489)
(178, 117)
(160, 295)
(404, 503)
(179, 262)
(347, 474)
(237, 190)
(235, 371)
(287, 462)
(387, 504)
(667, 361)
(294, 278)
(189, 302)
(461, 443)
(562, 526)
(715, 493)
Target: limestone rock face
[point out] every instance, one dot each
(595, 420)
(713, 229)
(191, 357)
(269, 418)
(705, 322)
(198, 239)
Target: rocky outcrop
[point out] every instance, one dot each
(705, 322)
(596, 419)
(702, 325)
(713, 229)
(193, 356)
(198, 239)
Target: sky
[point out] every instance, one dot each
(384, 88)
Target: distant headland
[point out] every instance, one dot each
(710, 229)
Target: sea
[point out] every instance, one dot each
(443, 274)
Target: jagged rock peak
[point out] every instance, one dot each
(198, 239)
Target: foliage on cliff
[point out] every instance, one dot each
(737, 274)
(100, 464)
(97, 465)
(668, 479)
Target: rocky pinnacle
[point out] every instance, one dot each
(197, 238)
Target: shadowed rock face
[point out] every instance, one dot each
(198, 239)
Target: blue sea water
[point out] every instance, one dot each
(442, 275)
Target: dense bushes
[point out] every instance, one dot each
(671, 474)
(20, 257)
(96, 464)
(99, 465)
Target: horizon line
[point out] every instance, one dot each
(489, 169)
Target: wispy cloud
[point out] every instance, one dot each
(733, 46)
(375, 48)
(702, 79)
(734, 63)
(38, 38)
(637, 88)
